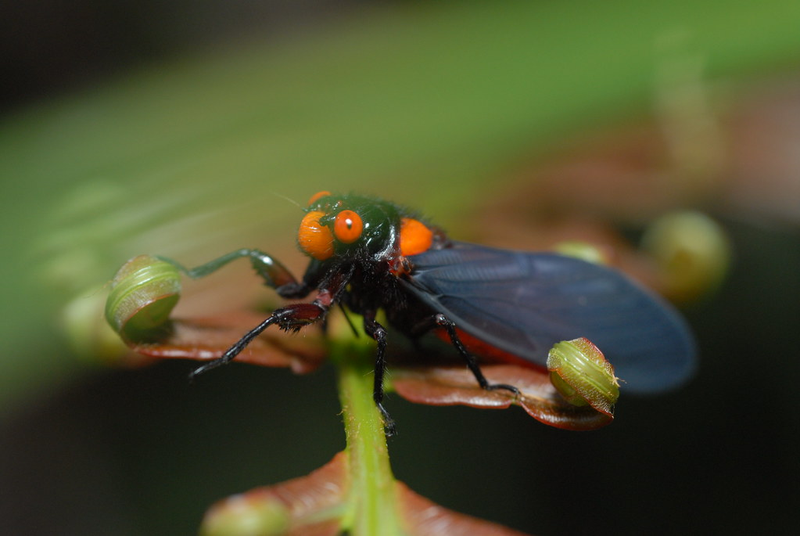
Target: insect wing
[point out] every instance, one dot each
(523, 303)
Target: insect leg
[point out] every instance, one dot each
(288, 318)
(449, 326)
(274, 274)
(378, 332)
(236, 349)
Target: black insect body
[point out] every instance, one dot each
(370, 255)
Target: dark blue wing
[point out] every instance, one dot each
(523, 303)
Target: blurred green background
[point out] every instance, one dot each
(183, 128)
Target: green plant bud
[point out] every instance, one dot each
(143, 294)
(247, 518)
(581, 373)
(692, 250)
(581, 250)
(89, 336)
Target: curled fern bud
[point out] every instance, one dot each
(580, 372)
(143, 293)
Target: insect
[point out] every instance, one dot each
(369, 254)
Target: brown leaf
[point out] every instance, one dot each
(311, 505)
(445, 386)
(208, 338)
(426, 518)
(314, 505)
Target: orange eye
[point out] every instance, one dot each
(317, 196)
(415, 238)
(315, 240)
(348, 226)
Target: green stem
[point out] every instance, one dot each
(372, 484)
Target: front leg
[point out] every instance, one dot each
(378, 332)
(289, 318)
(271, 270)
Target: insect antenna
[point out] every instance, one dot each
(287, 198)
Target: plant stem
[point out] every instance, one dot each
(371, 483)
